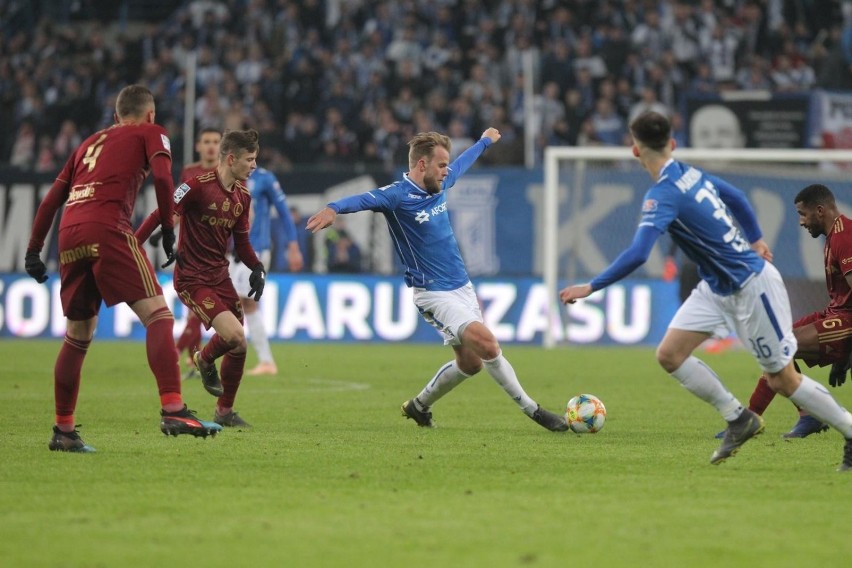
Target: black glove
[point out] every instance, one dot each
(837, 376)
(156, 238)
(257, 280)
(168, 236)
(34, 266)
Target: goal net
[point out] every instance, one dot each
(592, 202)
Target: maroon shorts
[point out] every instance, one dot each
(207, 302)
(835, 336)
(99, 262)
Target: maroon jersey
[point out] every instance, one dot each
(838, 263)
(209, 215)
(104, 174)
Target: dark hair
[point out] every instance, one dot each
(238, 141)
(814, 195)
(207, 130)
(133, 100)
(651, 129)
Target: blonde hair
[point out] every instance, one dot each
(423, 146)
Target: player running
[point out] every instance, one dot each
(739, 290)
(824, 337)
(214, 208)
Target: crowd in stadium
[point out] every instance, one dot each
(347, 83)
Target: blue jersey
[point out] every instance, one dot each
(265, 192)
(419, 225)
(693, 207)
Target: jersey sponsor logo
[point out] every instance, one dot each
(421, 217)
(166, 144)
(208, 303)
(384, 187)
(649, 206)
(182, 190)
(414, 196)
(442, 208)
(218, 221)
(81, 193)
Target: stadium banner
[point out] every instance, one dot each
(835, 122)
(497, 213)
(309, 308)
(748, 119)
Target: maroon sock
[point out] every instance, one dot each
(231, 374)
(761, 397)
(66, 379)
(214, 349)
(190, 339)
(163, 357)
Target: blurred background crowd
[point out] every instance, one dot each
(345, 83)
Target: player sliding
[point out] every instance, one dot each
(739, 289)
(416, 212)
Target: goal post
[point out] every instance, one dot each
(579, 182)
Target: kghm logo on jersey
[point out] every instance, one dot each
(421, 217)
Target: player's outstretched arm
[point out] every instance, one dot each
(492, 134)
(571, 294)
(322, 219)
(628, 261)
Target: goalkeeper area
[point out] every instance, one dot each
(593, 199)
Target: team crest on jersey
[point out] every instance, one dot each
(226, 205)
(649, 206)
(421, 217)
(182, 190)
(238, 209)
(166, 144)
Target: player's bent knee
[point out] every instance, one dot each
(784, 382)
(669, 360)
(469, 367)
(235, 340)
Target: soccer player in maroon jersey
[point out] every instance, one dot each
(207, 146)
(100, 259)
(824, 337)
(213, 208)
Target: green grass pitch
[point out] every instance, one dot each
(332, 475)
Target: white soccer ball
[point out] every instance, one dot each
(585, 414)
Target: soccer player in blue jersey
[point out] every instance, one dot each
(739, 289)
(266, 193)
(415, 209)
